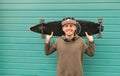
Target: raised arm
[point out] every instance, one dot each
(91, 47)
(49, 49)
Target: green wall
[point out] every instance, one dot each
(22, 51)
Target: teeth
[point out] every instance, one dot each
(69, 30)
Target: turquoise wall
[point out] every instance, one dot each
(22, 51)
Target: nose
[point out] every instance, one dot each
(68, 27)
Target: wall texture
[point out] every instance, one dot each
(22, 51)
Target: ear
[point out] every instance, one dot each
(63, 28)
(75, 27)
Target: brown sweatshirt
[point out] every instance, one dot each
(70, 54)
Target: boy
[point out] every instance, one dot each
(70, 48)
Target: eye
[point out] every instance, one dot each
(66, 25)
(71, 25)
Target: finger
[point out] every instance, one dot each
(51, 33)
(86, 33)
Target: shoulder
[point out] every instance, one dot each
(57, 40)
(80, 39)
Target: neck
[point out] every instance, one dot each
(69, 36)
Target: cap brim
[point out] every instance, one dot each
(68, 21)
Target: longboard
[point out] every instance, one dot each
(56, 27)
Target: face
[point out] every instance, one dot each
(69, 29)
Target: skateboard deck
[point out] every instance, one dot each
(56, 27)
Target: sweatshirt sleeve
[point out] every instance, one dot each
(49, 49)
(90, 49)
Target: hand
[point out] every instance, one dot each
(48, 37)
(90, 38)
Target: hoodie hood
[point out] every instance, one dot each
(70, 40)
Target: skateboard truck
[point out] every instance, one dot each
(42, 21)
(100, 28)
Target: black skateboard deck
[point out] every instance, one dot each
(56, 27)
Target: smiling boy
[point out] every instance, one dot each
(70, 48)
